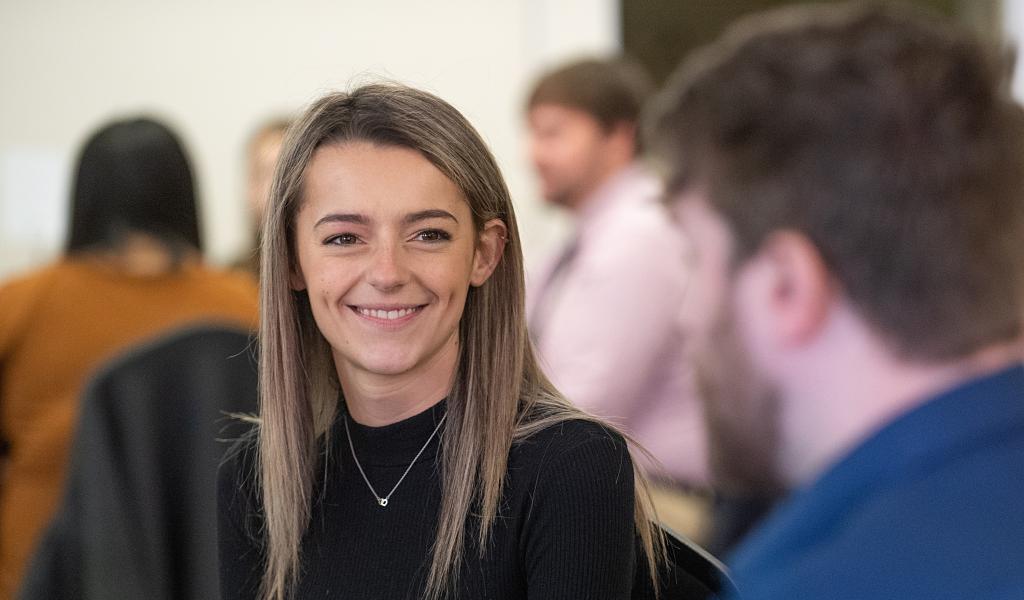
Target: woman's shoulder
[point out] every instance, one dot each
(20, 299)
(25, 288)
(230, 278)
(577, 445)
(571, 431)
(241, 531)
(570, 477)
(237, 486)
(227, 294)
(235, 284)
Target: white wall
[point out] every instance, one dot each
(217, 69)
(1013, 25)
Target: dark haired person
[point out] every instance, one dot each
(852, 178)
(131, 269)
(602, 310)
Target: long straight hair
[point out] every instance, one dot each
(499, 394)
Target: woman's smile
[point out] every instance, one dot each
(388, 316)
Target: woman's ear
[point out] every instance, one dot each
(297, 279)
(489, 249)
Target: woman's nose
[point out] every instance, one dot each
(387, 269)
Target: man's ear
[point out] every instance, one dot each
(623, 133)
(801, 288)
(490, 247)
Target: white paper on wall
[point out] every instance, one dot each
(1013, 24)
(34, 187)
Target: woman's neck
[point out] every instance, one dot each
(375, 399)
(142, 255)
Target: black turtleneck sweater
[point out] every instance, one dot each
(565, 528)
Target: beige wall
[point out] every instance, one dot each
(216, 69)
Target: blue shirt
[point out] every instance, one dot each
(930, 507)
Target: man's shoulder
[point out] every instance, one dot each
(637, 235)
(636, 208)
(953, 529)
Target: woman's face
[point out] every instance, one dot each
(387, 250)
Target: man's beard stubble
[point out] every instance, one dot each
(741, 411)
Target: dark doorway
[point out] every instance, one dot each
(658, 33)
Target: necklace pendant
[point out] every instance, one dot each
(383, 502)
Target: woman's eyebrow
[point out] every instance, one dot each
(358, 219)
(342, 218)
(423, 215)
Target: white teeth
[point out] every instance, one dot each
(389, 315)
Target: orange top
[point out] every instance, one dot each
(57, 326)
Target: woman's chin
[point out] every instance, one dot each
(388, 366)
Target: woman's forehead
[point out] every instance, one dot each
(382, 182)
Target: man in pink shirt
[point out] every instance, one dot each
(602, 311)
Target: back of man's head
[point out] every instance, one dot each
(889, 139)
(612, 91)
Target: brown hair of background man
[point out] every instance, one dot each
(909, 180)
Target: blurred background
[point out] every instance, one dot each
(217, 71)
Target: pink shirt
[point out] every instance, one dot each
(603, 313)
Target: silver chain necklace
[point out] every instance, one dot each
(384, 501)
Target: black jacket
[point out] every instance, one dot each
(138, 518)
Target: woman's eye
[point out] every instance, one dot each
(343, 239)
(433, 235)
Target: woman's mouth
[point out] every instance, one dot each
(388, 315)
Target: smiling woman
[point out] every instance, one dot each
(408, 445)
(390, 261)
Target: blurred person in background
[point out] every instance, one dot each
(852, 180)
(131, 269)
(602, 310)
(261, 158)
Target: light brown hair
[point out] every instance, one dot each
(612, 91)
(499, 395)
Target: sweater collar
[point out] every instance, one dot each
(395, 444)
